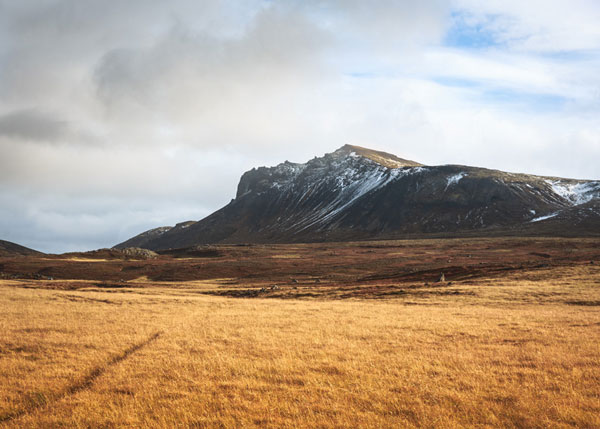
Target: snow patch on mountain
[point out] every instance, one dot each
(350, 176)
(376, 179)
(576, 193)
(453, 180)
(551, 215)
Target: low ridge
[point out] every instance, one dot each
(357, 193)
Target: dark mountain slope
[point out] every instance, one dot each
(145, 238)
(11, 249)
(355, 193)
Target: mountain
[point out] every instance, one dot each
(11, 249)
(356, 193)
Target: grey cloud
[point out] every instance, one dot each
(277, 46)
(209, 91)
(34, 125)
(48, 46)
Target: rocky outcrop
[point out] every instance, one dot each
(138, 253)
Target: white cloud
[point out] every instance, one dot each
(539, 25)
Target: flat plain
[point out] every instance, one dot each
(306, 335)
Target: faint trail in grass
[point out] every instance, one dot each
(76, 298)
(83, 384)
(87, 381)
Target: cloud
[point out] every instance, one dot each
(536, 25)
(196, 84)
(32, 125)
(386, 25)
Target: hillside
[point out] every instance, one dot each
(11, 249)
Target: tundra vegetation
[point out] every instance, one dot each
(319, 335)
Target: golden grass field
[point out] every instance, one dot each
(517, 350)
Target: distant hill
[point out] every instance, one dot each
(11, 249)
(356, 193)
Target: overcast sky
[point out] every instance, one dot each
(120, 116)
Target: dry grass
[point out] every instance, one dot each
(76, 259)
(517, 351)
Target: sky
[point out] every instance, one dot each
(121, 116)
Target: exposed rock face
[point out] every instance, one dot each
(356, 193)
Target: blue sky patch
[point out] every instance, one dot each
(466, 32)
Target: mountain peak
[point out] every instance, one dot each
(386, 159)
